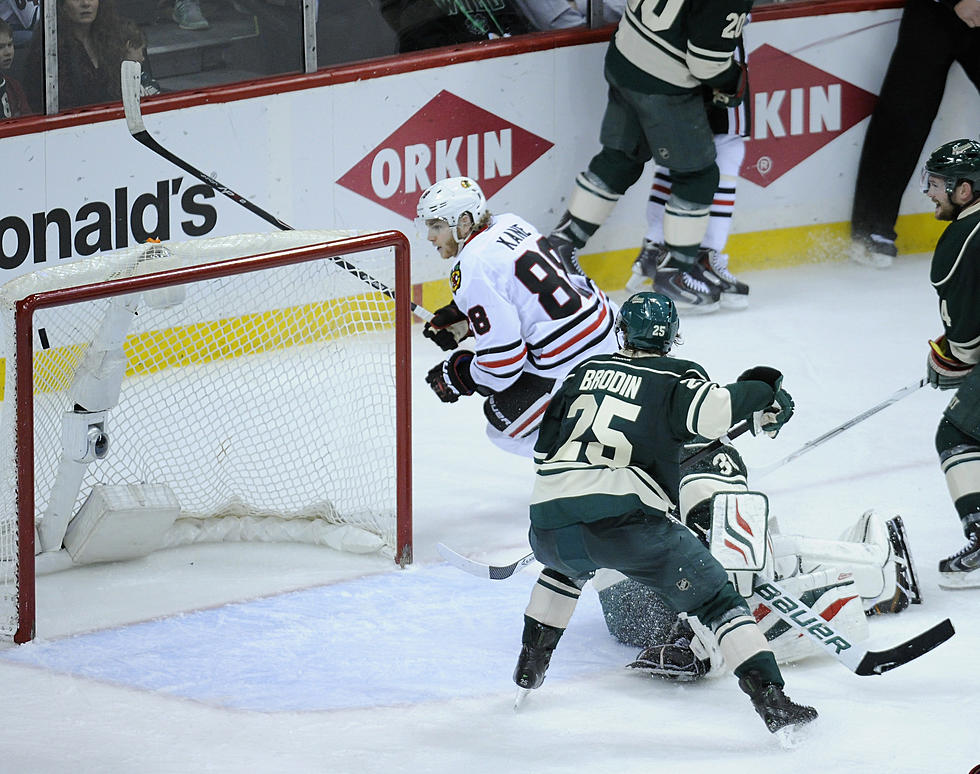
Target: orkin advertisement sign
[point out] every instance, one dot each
(316, 158)
(796, 110)
(447, 137)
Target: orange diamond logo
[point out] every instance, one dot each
(796, 110)
(448, 137)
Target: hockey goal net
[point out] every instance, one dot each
(238, 388)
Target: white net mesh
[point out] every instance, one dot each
(265, 400)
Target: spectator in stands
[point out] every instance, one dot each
(136, 52)
(91, 46)
(562, 14)
(932, 35)
(422, 24)
(13, 102)
(22, 16)
(188, 15)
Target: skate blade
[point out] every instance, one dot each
(520, 697)
(734, 301)
(956, 581)
(636, 283)
(792, 736)
(683, 308)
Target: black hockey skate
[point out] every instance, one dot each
(651, 256)
(775, 708)
(689, 294)
(538, 643)
(566, 251)
(674, 660)
(962, 569)
(714, 271)
(873, 250)
(906, 580)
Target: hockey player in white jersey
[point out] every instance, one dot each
(531, 322)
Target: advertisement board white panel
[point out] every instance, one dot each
(357, 154)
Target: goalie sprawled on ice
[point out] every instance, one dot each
(866, 572)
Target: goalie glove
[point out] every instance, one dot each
(771, 419)
(451, 378)
(448, 327)
(732, 95)
(944, 370)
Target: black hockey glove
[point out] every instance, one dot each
(451, 378)
(448, 327)
(732, 95)
(943, 369)
(771, 419)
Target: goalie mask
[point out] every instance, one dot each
(448, 200)
(955, 162)
(648, 322)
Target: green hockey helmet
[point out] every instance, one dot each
(648, 321)
(955, 161)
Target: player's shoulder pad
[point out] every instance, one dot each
(595, 361)
(687, 369)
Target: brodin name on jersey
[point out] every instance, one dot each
(527, 314)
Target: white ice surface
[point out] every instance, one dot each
(298, 659)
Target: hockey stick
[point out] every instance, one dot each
(130, 74)
(809, 445)
(479, 569)
(859, 659)
(502, 572)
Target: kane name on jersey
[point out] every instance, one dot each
(526, 312)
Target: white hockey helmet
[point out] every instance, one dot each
(449, 199)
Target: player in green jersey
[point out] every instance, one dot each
(951, 178)
(607, 475)
(663, 54)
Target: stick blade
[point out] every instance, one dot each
(460, 562)
(130, 74)
(877, 662)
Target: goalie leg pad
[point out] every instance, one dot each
(831, 594)
(739, 531)
(873, 551)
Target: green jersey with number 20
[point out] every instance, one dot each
(674, 46)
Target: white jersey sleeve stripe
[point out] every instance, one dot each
(490, 364)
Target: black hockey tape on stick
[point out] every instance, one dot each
(855, 656)
(130, 73)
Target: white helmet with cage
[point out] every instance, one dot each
(449, 199)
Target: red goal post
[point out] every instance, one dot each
(241, 387)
